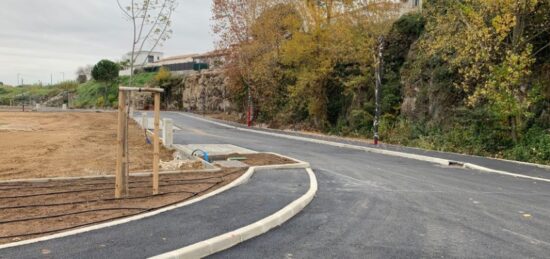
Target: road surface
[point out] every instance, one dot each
(376, 206)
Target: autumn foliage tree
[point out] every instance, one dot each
(494, 50)
(306, 61)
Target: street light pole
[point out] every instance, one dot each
(378, 77)
(249, 108)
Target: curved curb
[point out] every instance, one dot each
(229, 239)
(241, 180)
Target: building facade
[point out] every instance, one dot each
(141, 59)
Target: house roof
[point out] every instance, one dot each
(144, 52)
(179, 57)
(214, 53)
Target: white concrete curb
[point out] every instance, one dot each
(424, 158)
(229, 239)
(241, 180)
(489, 170)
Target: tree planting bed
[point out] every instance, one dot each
(34, 209)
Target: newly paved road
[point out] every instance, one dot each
(264, 194)
(376, 206)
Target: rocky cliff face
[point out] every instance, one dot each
(205, 91)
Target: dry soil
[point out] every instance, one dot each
(51, 144)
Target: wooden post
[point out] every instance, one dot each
(119, 181)
(126, 167)
(156, 147)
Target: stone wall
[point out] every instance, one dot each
(205, 91)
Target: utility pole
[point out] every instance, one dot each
(378, 78)
(249, 109)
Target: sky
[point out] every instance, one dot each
(45, 39)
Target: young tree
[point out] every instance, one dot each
(151, 25)
(105, 71)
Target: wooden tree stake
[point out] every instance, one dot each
(122, 163)
(119, 181)
(156, 147)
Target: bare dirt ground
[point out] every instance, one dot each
(36, 145)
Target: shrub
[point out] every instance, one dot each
(105, 71)
(163, 76)
(534, 147)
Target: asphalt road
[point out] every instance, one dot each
(376, 206)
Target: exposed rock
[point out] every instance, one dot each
(55, 101)
(205, 91)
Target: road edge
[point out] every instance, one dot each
(288, 131)
(224, 241)
(435, 160)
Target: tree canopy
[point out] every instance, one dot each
(105, 71)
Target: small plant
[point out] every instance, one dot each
(163, 76)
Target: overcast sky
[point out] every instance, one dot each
(43, 37)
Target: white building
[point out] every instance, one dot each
(141, 60)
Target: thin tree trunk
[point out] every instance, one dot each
(513, 128)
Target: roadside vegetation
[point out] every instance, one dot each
(87, 95)
(462, 76)
(100, 94)
(34, 93)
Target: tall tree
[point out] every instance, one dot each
(303, 52)
(151, 25)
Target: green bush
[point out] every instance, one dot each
(534, 147)
(105, 71)
(360, 122)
